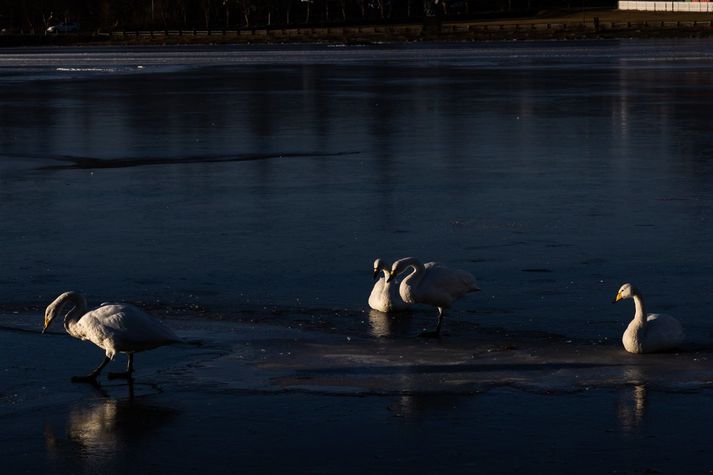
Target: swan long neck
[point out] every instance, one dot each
(640, 314)
(79, 308)
(418, 268)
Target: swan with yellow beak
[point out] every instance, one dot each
(113, 327)
(652, 333)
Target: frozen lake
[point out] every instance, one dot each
(257, 185)
(250, 178)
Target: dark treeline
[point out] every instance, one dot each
(37, 15)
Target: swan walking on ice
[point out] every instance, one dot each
(648, 333)
(385, 295)
(113, 327)
(432, 284)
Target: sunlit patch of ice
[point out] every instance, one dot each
(83, 70)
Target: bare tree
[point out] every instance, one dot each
(246, 8)
(226, 6)
(381, 5)
(288, 10)
(343, 8)
(37, 15)
(271, 6)
(206, 7)
(309, 8)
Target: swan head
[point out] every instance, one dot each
(626, 291)
(398, 267)
(51, 312)
(378, 265)
(55, 308)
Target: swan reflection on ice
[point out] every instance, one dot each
(632, 408)
(382, 325)
(103, 432)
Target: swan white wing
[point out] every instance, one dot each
(662, 332)
(467, 281)
(122, 327)
(442, 285)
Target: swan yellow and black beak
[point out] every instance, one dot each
(617, 298)
(376, 274)
(49, 316)
(390, 277)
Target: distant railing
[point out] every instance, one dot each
(417, 29)
(284, 32)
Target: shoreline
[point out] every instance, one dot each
(587, 24)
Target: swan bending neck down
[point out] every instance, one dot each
(648, 333)
(432, 284)
(113, 327)
(385, 295)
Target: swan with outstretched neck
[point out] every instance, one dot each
(113, 327)
(385, 295)
(648, 333)
(432, 284)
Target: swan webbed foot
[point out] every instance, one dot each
(430, 334)
(122, 375)
(125, 374)
(91, 378)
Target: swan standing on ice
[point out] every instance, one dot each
(648, 334)
(385, 294)
(113, 327)
(432, 284)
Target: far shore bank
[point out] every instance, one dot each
(588, 24)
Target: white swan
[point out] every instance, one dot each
(648, 334)
(113, 327)
(385, 295)
(432, 284)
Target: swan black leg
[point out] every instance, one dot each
(126, 374)
(437, 332)
(92, 377)
(440, 321)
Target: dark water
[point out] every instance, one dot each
(273, 176)
(605, 432)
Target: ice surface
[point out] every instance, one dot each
(554, 172)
